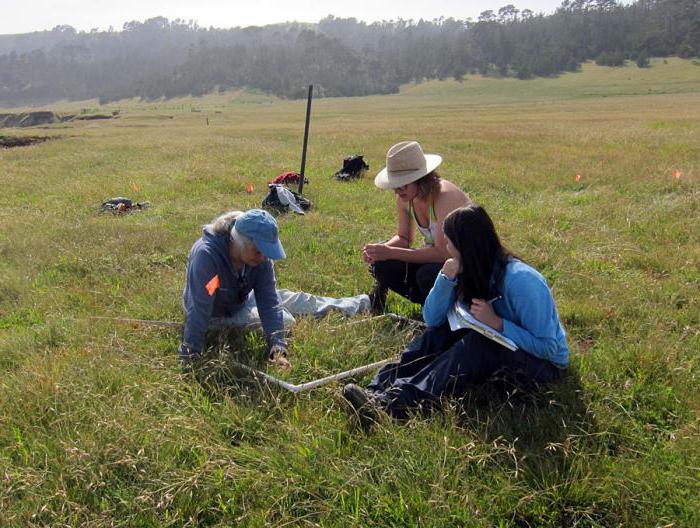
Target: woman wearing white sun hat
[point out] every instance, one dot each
(423, 199)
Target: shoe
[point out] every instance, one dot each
(377, 299)
(363, 402)
(357, 396)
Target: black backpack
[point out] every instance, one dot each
(353, 167)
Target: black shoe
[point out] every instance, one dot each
(377, 299)
(363, 402)
(356, 395)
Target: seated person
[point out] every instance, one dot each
(232, 258)
(425, 199)
(500, 291)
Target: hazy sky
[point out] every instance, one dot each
(22, 16)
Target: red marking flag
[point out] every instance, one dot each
(212, 285)
(249, 188)
(577, 178)
(677, 174)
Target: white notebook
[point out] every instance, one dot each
(459, 317)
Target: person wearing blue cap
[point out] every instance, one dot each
(232, 258)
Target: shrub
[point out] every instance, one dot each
(642, 60)
(610, 58)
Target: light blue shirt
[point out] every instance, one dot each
(526, 306)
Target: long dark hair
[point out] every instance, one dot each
(473, 234)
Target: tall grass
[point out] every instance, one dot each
(99, 427)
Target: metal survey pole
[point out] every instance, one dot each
(306, 139)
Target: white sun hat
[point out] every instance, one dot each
(406, 163)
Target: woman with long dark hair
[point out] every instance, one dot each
(500, 291)
(423, 200)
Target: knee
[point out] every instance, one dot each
(380, 270)
(470, 341)
(434, 340)
(425, 277)
(480, 350)
(434, 332)
(441, 332)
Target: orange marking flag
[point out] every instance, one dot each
(677, 174)
(212, 285)
(134, 187)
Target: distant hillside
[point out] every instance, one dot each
(342, 57)
(26, 42)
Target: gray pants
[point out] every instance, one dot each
(294, 303)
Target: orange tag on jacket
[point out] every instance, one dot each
(212, 285)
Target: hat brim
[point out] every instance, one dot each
(272, 250)
(392, 180)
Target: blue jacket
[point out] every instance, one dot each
(526, 306)
(205, 296)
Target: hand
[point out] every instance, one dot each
(452, 267)
(377, 252)
(484, 312)
(365, 255)
(278, 357)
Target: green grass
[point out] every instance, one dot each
(98, 426)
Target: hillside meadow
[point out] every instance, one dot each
(100, 427)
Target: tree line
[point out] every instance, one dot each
(340, 56)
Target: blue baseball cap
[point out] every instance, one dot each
(261, 228)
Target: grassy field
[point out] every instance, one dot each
(99, 427)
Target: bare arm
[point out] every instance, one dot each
(422, 255)
(444, 205)
(402, 239)
(404, 234)
(399, 247)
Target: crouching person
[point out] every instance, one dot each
(500, 291)
(232, 258)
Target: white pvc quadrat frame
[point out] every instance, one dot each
(276, 381)
(315, 383)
